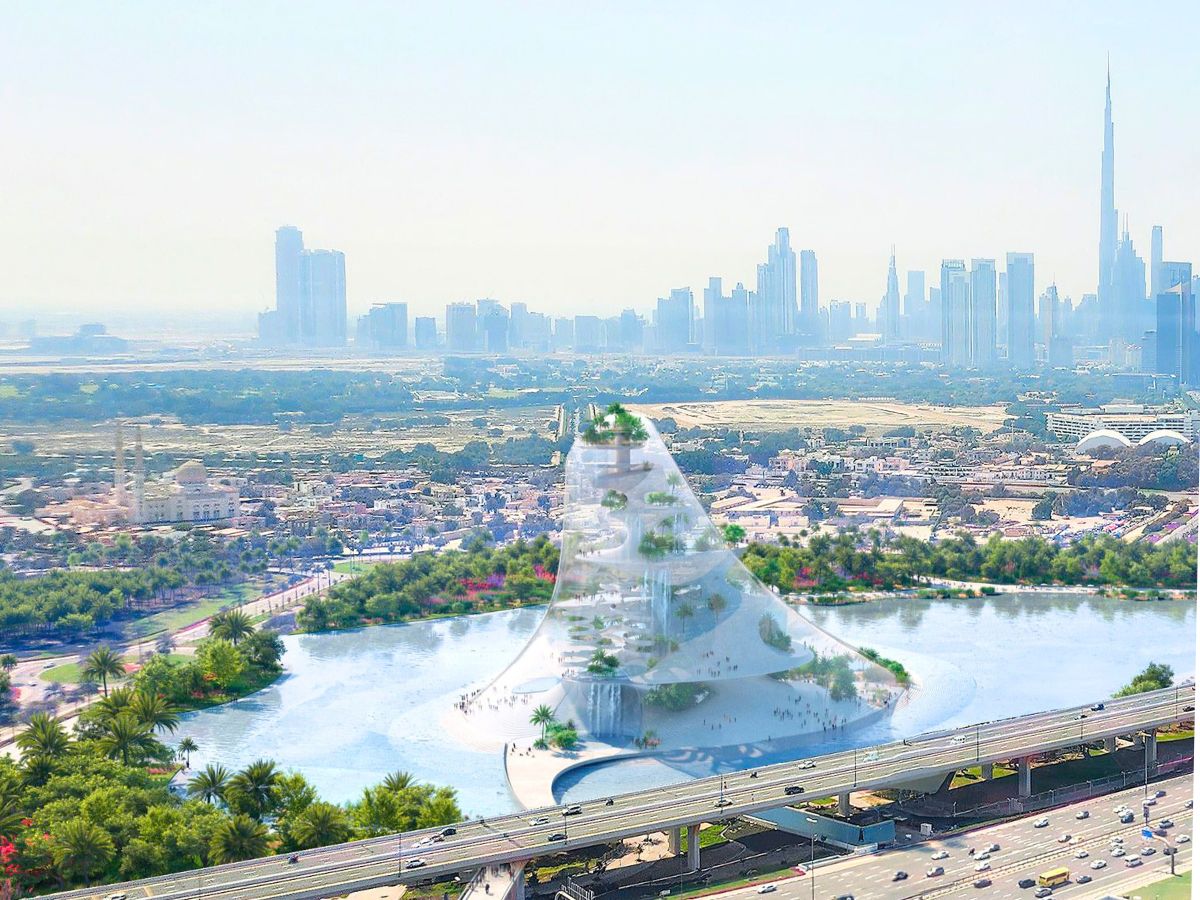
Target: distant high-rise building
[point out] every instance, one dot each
(1173, 273)
(1175, 334)
(492, 322)
(1002, 309)
(386, 326)
(840, 327)
(956, 317)
(1105, 290)
(589, 334)
(1129, 292)
(891, 304)
(1053, 321)
(914, 303)
(810, 304)
(673, 320)
(777, 288)
(461, 334)
(1156, 261)
(425, 332)
(323, 303)
(1019, 282)
(518, 324)
(289, 248)
(629, 330)
(564, 333)
(982, 349)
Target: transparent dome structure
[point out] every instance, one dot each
(657, 636)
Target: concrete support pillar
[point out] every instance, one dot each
(1138, 741)
(988, 770)
(1110, 745)
(673, 842)
(1024, 782)
(1152, 748)
(844, 803)
(693, 848)
(518, 885)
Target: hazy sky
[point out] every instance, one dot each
(580, 157)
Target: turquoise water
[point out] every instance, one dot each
(356, 705)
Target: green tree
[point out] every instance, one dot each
(209, 784)
(126, 738)
(44, 737)
(398, 781)
(543, 716)
(8, 661)
(81, 848)
(252, 789)
(102, 664)
(319, 825)
(1155, 676)
(231, 625)
(186, 748)
(237, 838)
(220, 660)
(153, 711)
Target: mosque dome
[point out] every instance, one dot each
(191, 472)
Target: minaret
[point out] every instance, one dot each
(1108, 215)
(139, 475)
(119, 469)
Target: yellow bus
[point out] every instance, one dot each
(1054, 877)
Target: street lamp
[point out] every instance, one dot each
(812, 857)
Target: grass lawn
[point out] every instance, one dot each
(975, 773)
(1178, 888)
(71, 673)
(737, 882)
(353, 567)
(181, 616)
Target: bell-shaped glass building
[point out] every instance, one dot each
(657, 636)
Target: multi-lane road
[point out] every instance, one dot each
(1025, 852)
(519, 837)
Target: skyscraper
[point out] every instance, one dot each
(673, 319)
(914, 303)
(1128, 292)
(1019, 280)
(982, 339)
(386, 326)
(777, 287)
(425, 332)
(1156, 261)
(1175, 334)
(460, 327)
(289, 248)
(956, 295)
(891, 304)
(323, 298)
(1108, 213)
(810, 316)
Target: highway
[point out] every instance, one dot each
(515, 838)
(1025, 852)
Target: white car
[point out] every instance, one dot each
(1098, 864)
(1063, 838)
(1041, 823)
(117, 896)
(1118, 851)
(808, 764)
(958, 739)
(1082, 814)
(1182, 838)
(1116, 839)
(540, 820)
(1081, 854)
(766, 889)
(983, 867)
(1133, 862)
(934, 871)
(942, 854)
(981, 857)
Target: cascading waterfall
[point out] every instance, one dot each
(660, 602)
(604, 708)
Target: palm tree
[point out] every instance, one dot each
(8, 661)
(320, 825)
(81, 847)
(231, 625)
(186, 747)
(209, 784)
(10, 813)
(398, 781)
(255, 786)
(238, 837)
(115, 704)
(543, 716)
(153, 711)
(126, 737)
(103, 663)
(44, 737)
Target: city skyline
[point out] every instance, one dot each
(623, 224)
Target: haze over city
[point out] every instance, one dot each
(577, 160)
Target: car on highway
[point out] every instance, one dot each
(1166, 823)
(1133, 862)
(983, 866)
(959, 739)
(723, 802)
(1084, 879)
(1160, 793)
(557, 836)
(900, 875)
(808, 764)
(572, 810)
(844, 897)
(1116, 839)
(1043, 892)
(1147, 851)
(981, 857)
(765, 889)
(1150, 801)
(414, 863)
(117, 896)
(1126, 817)
(1081, 854)
(1097, 707)
(1064, 838)
(934, 871)
(1118, 851)
(1026, 883)
(1082, 814)
(449, 832)
(1041, 823)
(940, 854)
(992, 848)
(1098, 864)
(1189, 708)
(982, 882)
(540, 820)
(793, 789)
(1182, 838)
